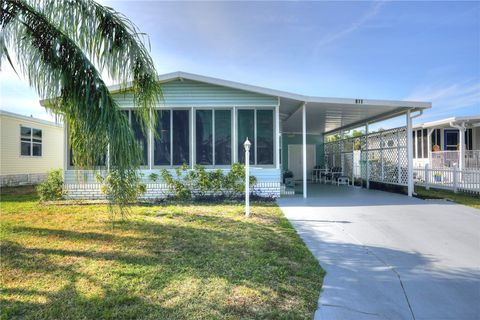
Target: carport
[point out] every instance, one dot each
(386, 156)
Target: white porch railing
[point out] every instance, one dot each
(467, 180)
(449, 159)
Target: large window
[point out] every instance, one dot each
(469, 139)
(162, 152)
(257, 125)
(223, 137)
(264, 137)
(30, 142)
(213, 137)
(420, 146)
(204, 137)
(436, 138)
(171, 143)
(246, 129)
(138, 133)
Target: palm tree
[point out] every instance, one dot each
(62, 48)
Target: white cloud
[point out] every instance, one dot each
(371, 13)
(449, 99)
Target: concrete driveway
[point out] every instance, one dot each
(388, 256)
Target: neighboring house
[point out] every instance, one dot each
(29, 148)
(204, 120)
(439, 143)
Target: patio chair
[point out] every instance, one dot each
(333, 175)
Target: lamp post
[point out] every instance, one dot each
(247, 145)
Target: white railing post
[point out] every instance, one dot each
(455, 179)
(427, 177)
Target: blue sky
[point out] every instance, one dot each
(428, 51)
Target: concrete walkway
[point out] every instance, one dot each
(388, 256)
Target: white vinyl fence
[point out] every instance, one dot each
(467, 180)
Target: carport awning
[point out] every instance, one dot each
(331, 114)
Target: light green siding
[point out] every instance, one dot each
(188, 93)
(293, 138)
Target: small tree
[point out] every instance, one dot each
(52, 187)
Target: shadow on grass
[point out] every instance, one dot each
(165, 269)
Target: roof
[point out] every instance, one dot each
(324, 114)
(31, 119)
(469, 121)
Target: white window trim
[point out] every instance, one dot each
(31, 142)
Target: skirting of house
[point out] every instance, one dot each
(12, 180)
(156, 191)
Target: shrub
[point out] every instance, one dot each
(202, 184)
(153, 176)
(177, 186)
(52, 187)
(121, 189)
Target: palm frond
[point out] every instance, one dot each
(114, 44)
(56, 67)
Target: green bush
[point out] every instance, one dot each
(200, 183)
(177, 186)
(121, 188)
(52, 187)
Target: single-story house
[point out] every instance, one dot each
(444, 143)
(205, 120)
(29, 148)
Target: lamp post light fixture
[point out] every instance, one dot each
(247, 145)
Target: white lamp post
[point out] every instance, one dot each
(247, 145)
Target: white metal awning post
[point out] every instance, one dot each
(409, 155)
(304, 148)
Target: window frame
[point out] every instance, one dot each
(274, 141)
(191, 156)
(31, 142)
(194, 132)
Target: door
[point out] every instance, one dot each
(450, 139)
(295, 160)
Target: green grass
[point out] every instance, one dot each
(164, 262)
(462, 198)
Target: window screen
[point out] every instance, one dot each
(141, 138)
(161, 156)
(180, 143)
(246, 122)
(204, 137)
(223, 137)
(265, 137)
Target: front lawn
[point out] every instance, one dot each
(471, 200)
(164, 262)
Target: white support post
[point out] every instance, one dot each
(342, 150)
(461, 156)
(409, 155)
(382, 162)
(367, 165)
(399, 163)
(150, 144)
(234, 137)
(277, 134)
(192, 140)
(304, 149)
(429, 144)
